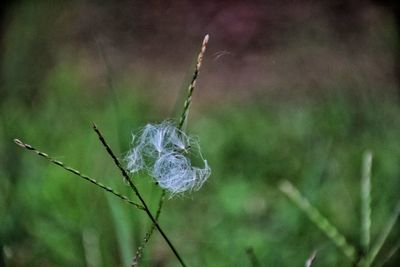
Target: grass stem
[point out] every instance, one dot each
(136, 191)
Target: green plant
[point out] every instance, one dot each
(362, 254)
(142, 205)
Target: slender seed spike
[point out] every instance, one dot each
(317, 218)
(76, 172)
(192, 85)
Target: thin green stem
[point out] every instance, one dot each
(76, 172)
(136, 191)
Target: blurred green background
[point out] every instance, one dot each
(288, 90)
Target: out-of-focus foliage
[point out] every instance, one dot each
(51, 218)
(46, 211)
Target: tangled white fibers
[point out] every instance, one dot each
(161, 149)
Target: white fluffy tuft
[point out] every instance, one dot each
(160, 150)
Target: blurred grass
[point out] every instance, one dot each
(316, 144)
(250, 147)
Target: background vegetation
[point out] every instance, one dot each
(302, 105)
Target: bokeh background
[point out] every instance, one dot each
(295, 90)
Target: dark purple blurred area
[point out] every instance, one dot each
(276, 49)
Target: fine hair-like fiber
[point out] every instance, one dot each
(161, 150)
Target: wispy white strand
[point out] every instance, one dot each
(202, 175)
(161, 149)
(154, 137)
(174, 172)
(135, 160)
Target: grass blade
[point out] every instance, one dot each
(123, 231)
(91, 248)
(366, 206)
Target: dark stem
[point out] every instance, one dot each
(136, 191)
(139, 251)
